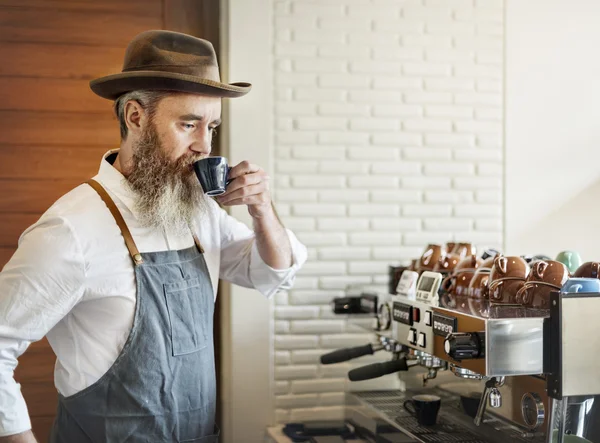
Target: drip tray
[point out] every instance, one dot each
(452, 424)
(441, 432)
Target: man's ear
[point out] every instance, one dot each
(135, 117)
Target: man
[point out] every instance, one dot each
(121, 273)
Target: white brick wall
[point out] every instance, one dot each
(388, 125)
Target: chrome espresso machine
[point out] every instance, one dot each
(505, 370)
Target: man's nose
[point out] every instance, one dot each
(202, 145)
(200, 149)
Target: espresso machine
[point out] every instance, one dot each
(504, 372)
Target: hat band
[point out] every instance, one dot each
(209, 72)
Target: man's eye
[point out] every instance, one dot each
(188, 126)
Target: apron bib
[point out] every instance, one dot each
(162, 387)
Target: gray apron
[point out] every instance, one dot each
(162, 387)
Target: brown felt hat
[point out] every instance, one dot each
(166, 60)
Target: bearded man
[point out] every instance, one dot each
(121, 273)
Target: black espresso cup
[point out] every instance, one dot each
(213, 175)
(425, 408)
(470, 403)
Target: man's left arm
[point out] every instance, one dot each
(272, 240)
(250, 186)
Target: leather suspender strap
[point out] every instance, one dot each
(198, 245)
(133, 250)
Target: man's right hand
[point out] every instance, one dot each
(23, 437)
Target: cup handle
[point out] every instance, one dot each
(501, 263)
(539, 269)
(492, 288)
(523, 294)
(412, 411)
(448, 283)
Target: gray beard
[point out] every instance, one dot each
(168, 193)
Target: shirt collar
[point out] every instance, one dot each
(115, 182)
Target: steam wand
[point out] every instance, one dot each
(491, 393)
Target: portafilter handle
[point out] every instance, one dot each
(346, 354)
(377, 370)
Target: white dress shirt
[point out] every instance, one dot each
(72, 280)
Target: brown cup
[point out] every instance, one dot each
(458, 282)
(464, 273)
(478, 286)
(446, 264)
(545, 277)
(461, 304)
(590, 269)
(414, 265)
(506, 278)
(429, 258)
(464, 249)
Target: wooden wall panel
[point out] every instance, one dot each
(145, 8)
(45, 94)
(195, 17)
(42, 397)
(33, 196)
(50, 162)
(54, 130)
(58, 128)
(77, 62)
(72, 27)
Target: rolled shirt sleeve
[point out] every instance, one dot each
(38, 286)
(269, 281)
(242, 264)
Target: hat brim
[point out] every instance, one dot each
(113, 86)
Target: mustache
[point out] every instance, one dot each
(186, 161)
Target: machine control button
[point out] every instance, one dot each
(428, 318)
(465, 345)
(412, 336)
(416, 315)
(421, 341)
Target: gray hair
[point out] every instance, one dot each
(148, 100)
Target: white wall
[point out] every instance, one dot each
(388, 119)
(388, 135)
(552, 127)
(247, 318)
